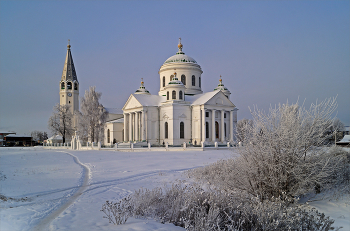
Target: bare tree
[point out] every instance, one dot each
(336, 130)
(61, 121)
(39, 136)
(93, 116)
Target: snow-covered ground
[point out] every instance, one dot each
(44, 189)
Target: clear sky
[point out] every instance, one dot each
(267, 52)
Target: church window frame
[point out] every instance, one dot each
(173, 94)
(163, 81)
(206, 130)
(180, 94)
(217, 130)
(224, 115)
(166, 130)
(62, 86)
(207, 114)
(108, 136)
(182, 130)
(225, 129)
(171, 77)
(69, 85)
(167, 95)
(193, 80)
(199, 82)
(183, 79)
(75, 86)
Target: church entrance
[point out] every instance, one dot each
(217, 130)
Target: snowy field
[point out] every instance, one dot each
(44, 189)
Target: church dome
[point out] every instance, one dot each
(142, 89)
(188, 71)
(180, 57)
(222, 88)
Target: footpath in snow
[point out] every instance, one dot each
(64, 189)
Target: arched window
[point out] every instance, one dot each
(62, 85)
(167, 95)
(182, 130)
(207, 130)
(163, 81)
(199, 82)
(217, 130)
(69, 86)
(171, 77)
(183, 79)
(180, 94)
(108, 136)
(174, 95)
(166, 130)
(75, 86)
(193, 80)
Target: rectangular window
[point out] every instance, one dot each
(224, 115)
(206, 114)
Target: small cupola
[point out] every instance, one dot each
(175, 89)
(222, 88)
(142, 89)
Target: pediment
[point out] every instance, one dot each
(220, 99)
(183, 116)
(131, 103)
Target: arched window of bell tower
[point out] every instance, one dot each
(62, 85)
(180, 94)
(69, 86)
(173, 95)
(75, 86)
(167, 95)
(193, 80)
(199, 82)
(163, 81)
(183, 79)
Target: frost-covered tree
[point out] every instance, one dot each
(242, 128)
(60, 123)
(93, 116)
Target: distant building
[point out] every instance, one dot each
(18, 140)
(3, 134)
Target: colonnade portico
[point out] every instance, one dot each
(225, 132)
(134, 126)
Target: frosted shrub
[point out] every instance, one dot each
(195, 209)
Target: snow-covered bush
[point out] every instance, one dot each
(283, 152)
(193, 208)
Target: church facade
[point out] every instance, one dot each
(181, 112)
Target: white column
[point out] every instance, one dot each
(130, 127)
(213, 135)
(203, 131)
(143, 126)
(136, 125)
(222, 126)
(231, 126)
(125, 126)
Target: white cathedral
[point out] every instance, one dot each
(180, 113)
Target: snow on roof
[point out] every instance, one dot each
(114, 110)
(149, 100)
(56, 137)
(346, 139)
(17, 136)
(121, 120)
(7, 132)
(201, 98)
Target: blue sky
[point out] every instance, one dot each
(267, 52)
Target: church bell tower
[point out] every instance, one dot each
(69, 85)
